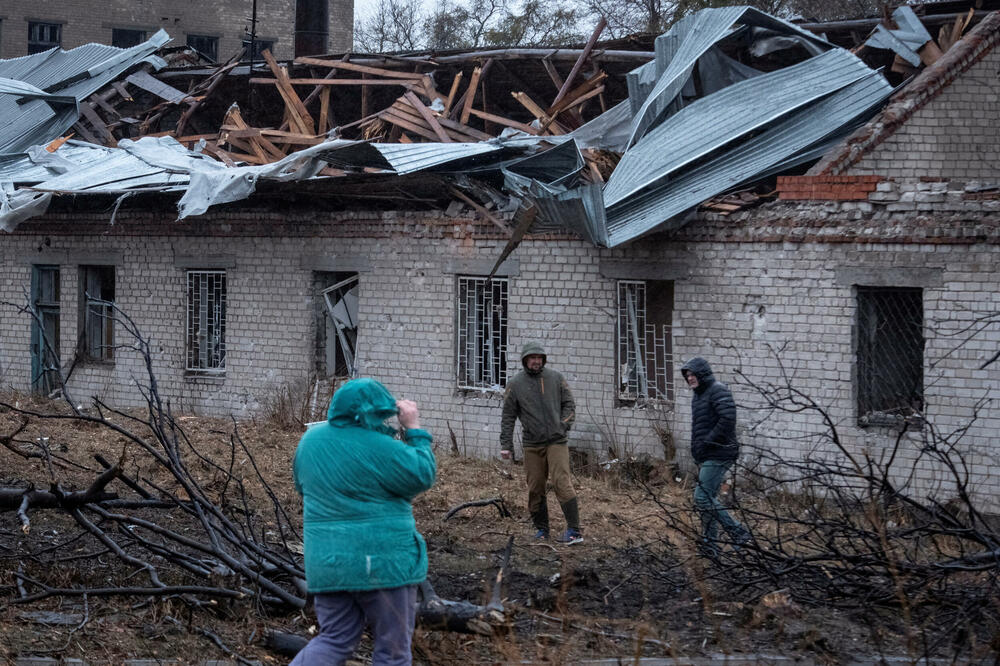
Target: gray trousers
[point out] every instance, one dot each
(342, 617)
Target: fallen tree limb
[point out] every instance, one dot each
(498, 502)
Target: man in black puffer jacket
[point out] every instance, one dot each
(714, 448)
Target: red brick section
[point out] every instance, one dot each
(827, 188)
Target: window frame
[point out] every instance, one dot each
(212, 54)
(193, 339)
(36, 44)
(471, 373)
(866, 352)
(631, 345)
(87, 309)
(141, 35)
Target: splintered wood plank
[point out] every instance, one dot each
(507, 122)
(553, 73)
(391, 116)
(464, 132)
(573, 97)
(537, 112)
(481, 209)
(324, 111)
(351, 67)
(297, 111)
(247, 143)
(122, 90)
(82, 130)
(452, 92)
(929, 53)
(107, 138)
(406, 83)
(470, 95)
(601, 23)
(220, 154)
(427, 116)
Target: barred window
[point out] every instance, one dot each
(96, 322)
(206, 321)
(482, 333)
(645, 355)
(890, 348)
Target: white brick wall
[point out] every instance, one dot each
(735, 303)
(954, 136)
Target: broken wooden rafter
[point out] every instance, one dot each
(601, 23)
(451, 93)
(428, 116)
(470, 95)
(481, 209)
(506, 122)
(538, 112)
(406, 83)
(324, 111)
(298, 113)
(351, 67)
(194, 101)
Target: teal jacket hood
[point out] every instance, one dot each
(365, 403)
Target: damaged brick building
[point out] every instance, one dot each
(868, 285)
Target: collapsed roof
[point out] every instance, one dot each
(727, 97)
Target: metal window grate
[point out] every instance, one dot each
(890, 348)
(482, 333)
(206, 321)
(645, 345)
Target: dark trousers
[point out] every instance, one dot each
(342, 617)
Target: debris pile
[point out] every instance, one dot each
(609, 143)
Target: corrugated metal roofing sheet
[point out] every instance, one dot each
(796, 132)
(412, 157)
(716, 120)
(70, 75)
(678, 49)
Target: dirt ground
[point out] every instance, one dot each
(620, 594)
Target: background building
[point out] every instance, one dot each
(216, 29)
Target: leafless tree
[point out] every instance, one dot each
(857, 529)
(395, 25)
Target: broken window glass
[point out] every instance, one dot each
(96, 323)
(482, 333)
(337, 330)
(645, 357)
(206, 321)
(890, 352)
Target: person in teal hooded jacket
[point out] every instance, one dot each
(363, 554)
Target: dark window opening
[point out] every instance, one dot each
(125, 38)
(43, 36)
(46, 373)
(890, 349)
(259, 46)
(205, 45)
(97, 317)
(481, 337)
(645, 353)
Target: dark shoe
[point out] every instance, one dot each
(741, 539)
(708, 550)
(542, 535)
(570, 537)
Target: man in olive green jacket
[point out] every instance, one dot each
(541, 399)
